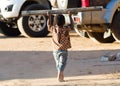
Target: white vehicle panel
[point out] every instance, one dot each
(17, 4)
(62, 4)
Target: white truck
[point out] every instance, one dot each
(101, 26)
(13, 24)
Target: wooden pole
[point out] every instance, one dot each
(61, 11)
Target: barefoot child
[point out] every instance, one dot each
(60, 41)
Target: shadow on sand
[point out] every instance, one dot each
(40, 64)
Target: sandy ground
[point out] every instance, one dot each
(29, 62)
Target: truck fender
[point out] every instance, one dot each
(16, 8)
(110, 10)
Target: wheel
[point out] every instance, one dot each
(81, 32)
(115, 27)
(33, 25)
(9, 29)
(99, 37)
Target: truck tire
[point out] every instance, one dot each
(9, 30)
(99, 37)
(115, 27)
(33, 25)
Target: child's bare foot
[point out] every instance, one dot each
(61, 77)
(61, 80)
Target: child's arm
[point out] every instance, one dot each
(71, 21)
(48, 22)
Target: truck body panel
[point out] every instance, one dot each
(111, 7)
(16, 6)
(14, 9)
(99, 17)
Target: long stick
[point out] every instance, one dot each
(61, 11)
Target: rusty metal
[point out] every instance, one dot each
(61, 11)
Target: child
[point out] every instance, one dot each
(60, 41)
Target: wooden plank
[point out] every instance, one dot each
(61, 11)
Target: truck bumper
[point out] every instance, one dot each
(91, 17)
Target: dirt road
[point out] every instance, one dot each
(29, 62)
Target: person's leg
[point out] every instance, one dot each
(56, 58)
(60, 59)
(62, 64)
(60, 76)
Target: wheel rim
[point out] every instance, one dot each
(37, 22)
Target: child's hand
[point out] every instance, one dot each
(48, 13)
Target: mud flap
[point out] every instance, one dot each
(107, 33)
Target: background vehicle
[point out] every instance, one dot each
(101, 26)
(13, 24)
